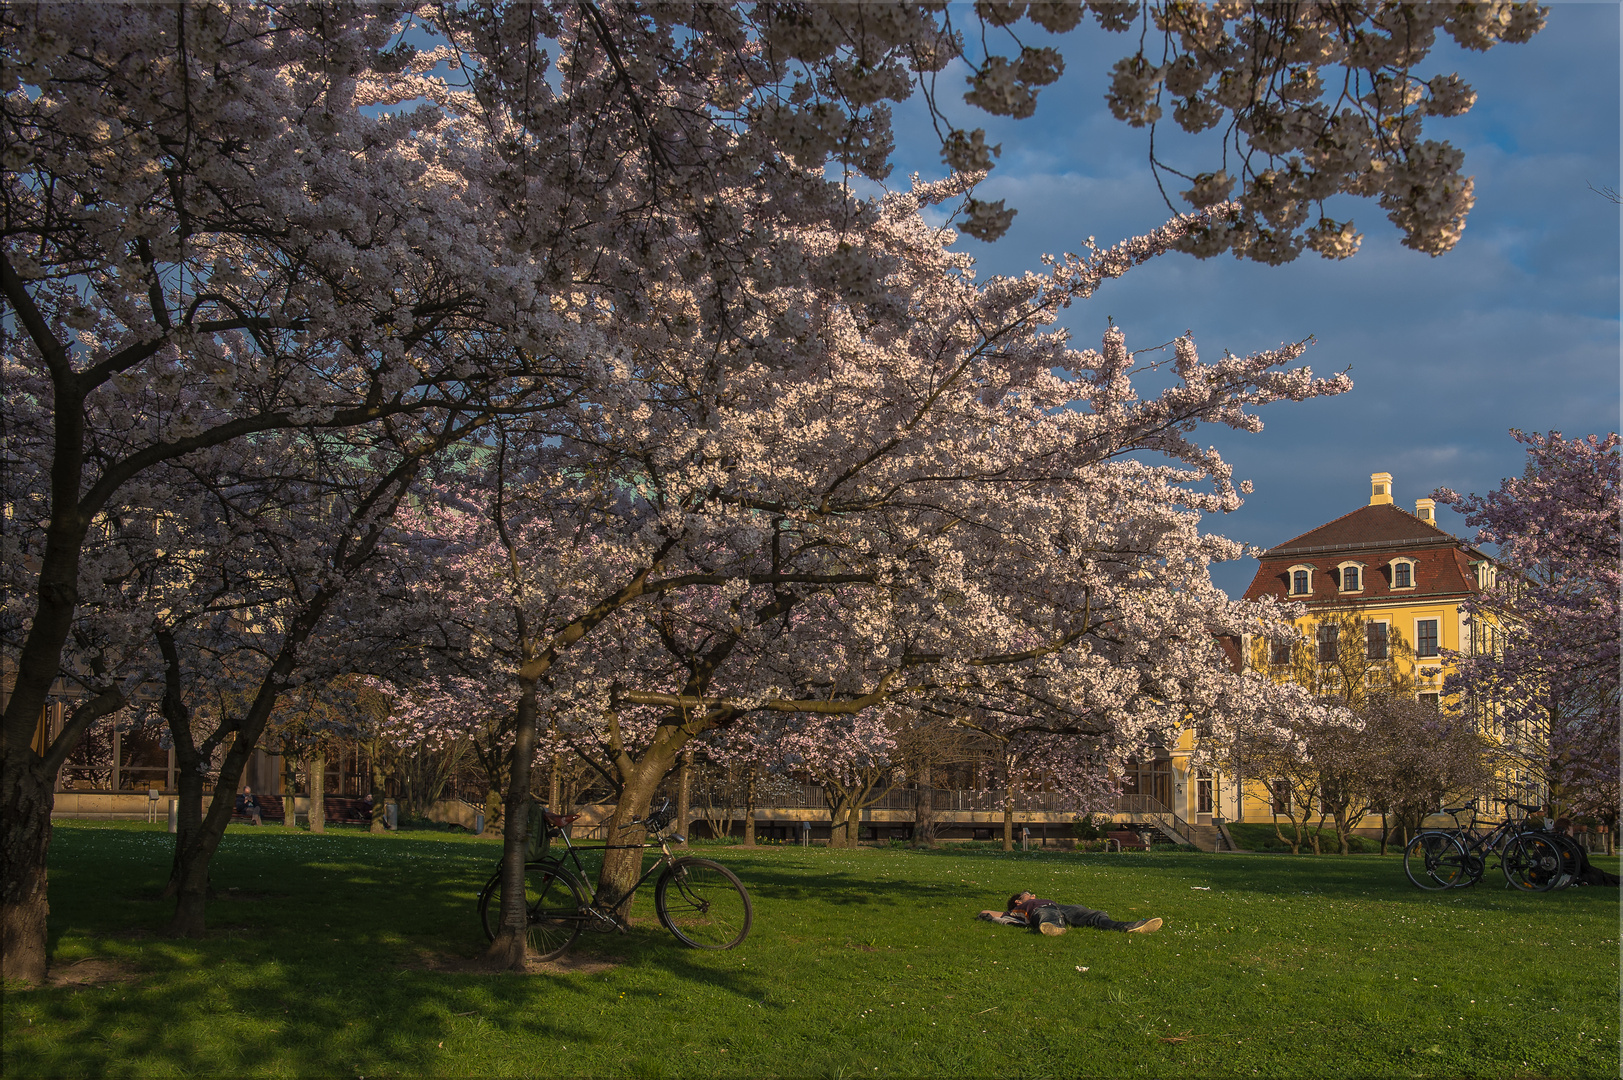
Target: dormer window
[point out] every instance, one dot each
(1301, 580)
(1403, 574)
(1351, 577)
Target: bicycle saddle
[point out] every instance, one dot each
(558, 821)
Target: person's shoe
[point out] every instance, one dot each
(1051, 929)
(1144, 926)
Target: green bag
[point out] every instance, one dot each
(540, 834)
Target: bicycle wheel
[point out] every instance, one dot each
(1531, 863)
(553, 900)
(703, 904)
(1435, 860)
(1572, 858)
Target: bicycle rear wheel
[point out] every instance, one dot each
(1435, 860)
(1572, 858)
(1531, 863)
(553, 900)
(704, 904)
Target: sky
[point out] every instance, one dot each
(1516, 327)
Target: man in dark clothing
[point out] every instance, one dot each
(250, 805)
(1587, 874)
(1053, 918)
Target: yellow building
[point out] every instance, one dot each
(1383, 590)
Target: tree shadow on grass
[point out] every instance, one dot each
(312, 966)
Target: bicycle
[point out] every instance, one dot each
(1457, 858)
(698, 900)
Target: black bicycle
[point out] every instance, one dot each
(699, 900)
(1458, 857)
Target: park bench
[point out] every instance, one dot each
(1125, 840)
(339, 810)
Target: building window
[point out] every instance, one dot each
(1203, 795)
(1299, 581)
(1281, 791)
(1402, 575)
(1375, 641)
(1429, 699)
(1329, 642)
(1279, 653)
(1349, 579)
(1425, 637)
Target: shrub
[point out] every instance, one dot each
(1086, 828)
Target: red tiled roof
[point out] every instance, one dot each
(1380, 524)
(1372, 536)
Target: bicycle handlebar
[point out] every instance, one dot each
(656, 820)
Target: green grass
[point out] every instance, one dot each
(1260, 836)
(861, 964)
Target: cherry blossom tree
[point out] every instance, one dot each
(1312, 101)
(226, 219)
(1544, 660)
(897, 500)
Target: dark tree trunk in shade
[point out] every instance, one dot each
(315, 769)
(380, 790)
(510, 946)
(290, 788)
(684, 795)
(924, 810)
(749, 809)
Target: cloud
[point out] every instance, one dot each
(1517, 327)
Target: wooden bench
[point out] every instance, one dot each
(1125, 840)
(338, 809)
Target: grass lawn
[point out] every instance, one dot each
(338, 955)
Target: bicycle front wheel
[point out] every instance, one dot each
(553, 900)
(1531, 863)
(1435, 860)
(703, 904)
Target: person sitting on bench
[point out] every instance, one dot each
(1053, 918)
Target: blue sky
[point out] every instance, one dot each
(1516, 327)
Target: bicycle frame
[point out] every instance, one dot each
(592, 912)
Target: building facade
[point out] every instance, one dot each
(1383, 590)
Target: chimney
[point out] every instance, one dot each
(1426, 510)
(1380, 489)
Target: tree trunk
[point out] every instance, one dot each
(315, 768)
(622, 862)
(839, 816)
(749, 809)
(28, 802)
(495, 819)
(1008, 818)
(684, 795)
(511, 943)
(1385, 831)
(380, 789)
(290, 788)
(924, 811)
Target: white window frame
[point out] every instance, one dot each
(1290, 579)
(1341, 578)
(1428, 656)
(1414, 575)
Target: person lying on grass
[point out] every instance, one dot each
(1053, 918)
